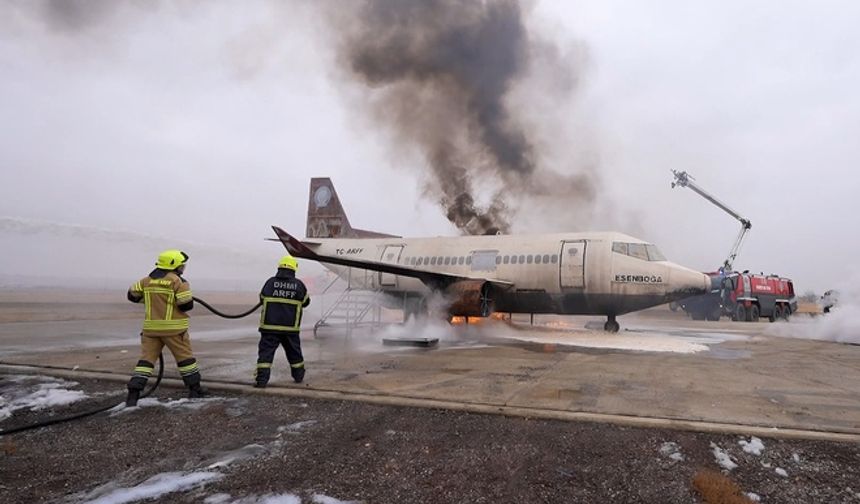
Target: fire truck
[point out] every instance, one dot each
(741, 296)
(748, 297)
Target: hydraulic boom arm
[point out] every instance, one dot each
(685, 180)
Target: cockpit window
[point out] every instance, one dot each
(645, 252)
(637, 250)
(654, 253)
(619, 247)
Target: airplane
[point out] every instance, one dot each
(588, 273)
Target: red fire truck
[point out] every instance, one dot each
(742, 296)
(748, 297)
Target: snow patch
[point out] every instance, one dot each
(220, 498)
(753, 446)
(36, 393)
(244, 453)
(671, 450)
(296, 427)
(753, 496)
(223, 498)
(153, 488)
(723, 458)
(324, 499)
(150, 402)
(781, 472)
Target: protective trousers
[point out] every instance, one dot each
(180, 347)
(269, 342)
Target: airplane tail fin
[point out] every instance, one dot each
(326, 217)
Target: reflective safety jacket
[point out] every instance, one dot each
(283, 297)
(167, 297)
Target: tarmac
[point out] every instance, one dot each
(661, 370)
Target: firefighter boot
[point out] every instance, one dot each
(298, 374)
(196, 391)
(133, 396)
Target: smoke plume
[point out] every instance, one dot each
(439, 75)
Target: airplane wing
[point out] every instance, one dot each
(433, 279)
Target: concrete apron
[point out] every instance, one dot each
(299, 391)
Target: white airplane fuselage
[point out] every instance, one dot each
(605, 273)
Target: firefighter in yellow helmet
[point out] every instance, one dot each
(284, 297)
(167, 297)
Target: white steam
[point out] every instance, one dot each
(841, 325)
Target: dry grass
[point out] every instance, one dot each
(716, 488)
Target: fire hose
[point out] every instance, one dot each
(149, 390)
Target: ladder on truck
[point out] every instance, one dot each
(358, 305)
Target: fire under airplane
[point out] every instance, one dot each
(591, 273)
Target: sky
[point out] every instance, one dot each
(131, 126)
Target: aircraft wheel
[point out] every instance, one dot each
(612, 326)
(740, 313)
(754, 313)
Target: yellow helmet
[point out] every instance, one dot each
(171, 259)
(288, 262)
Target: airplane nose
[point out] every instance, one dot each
(684, 283)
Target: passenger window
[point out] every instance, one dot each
(506, 259)
(619, 247)
(468, 260)
(537, 259)
(498, 259)
(522, 259)
(460, 260)
(546, 258)
(637, 250)
(447, 261)
(433, 261)
(554, 258)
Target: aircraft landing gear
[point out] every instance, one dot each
(611, 325)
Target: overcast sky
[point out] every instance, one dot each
(203, 122)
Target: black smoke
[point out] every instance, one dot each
(438, 75)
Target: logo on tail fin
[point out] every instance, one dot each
(326, 217)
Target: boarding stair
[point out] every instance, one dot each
(356, 306)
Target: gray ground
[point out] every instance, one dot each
(355, 451)
(662, 370)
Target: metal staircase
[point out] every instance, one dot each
(356, 306)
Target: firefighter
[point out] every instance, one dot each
(168, 300)
(283, 297)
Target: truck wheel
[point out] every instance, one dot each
(774, 316)
(740, 314)
(754, 313)
(786, 313)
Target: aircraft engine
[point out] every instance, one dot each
(470, 298)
